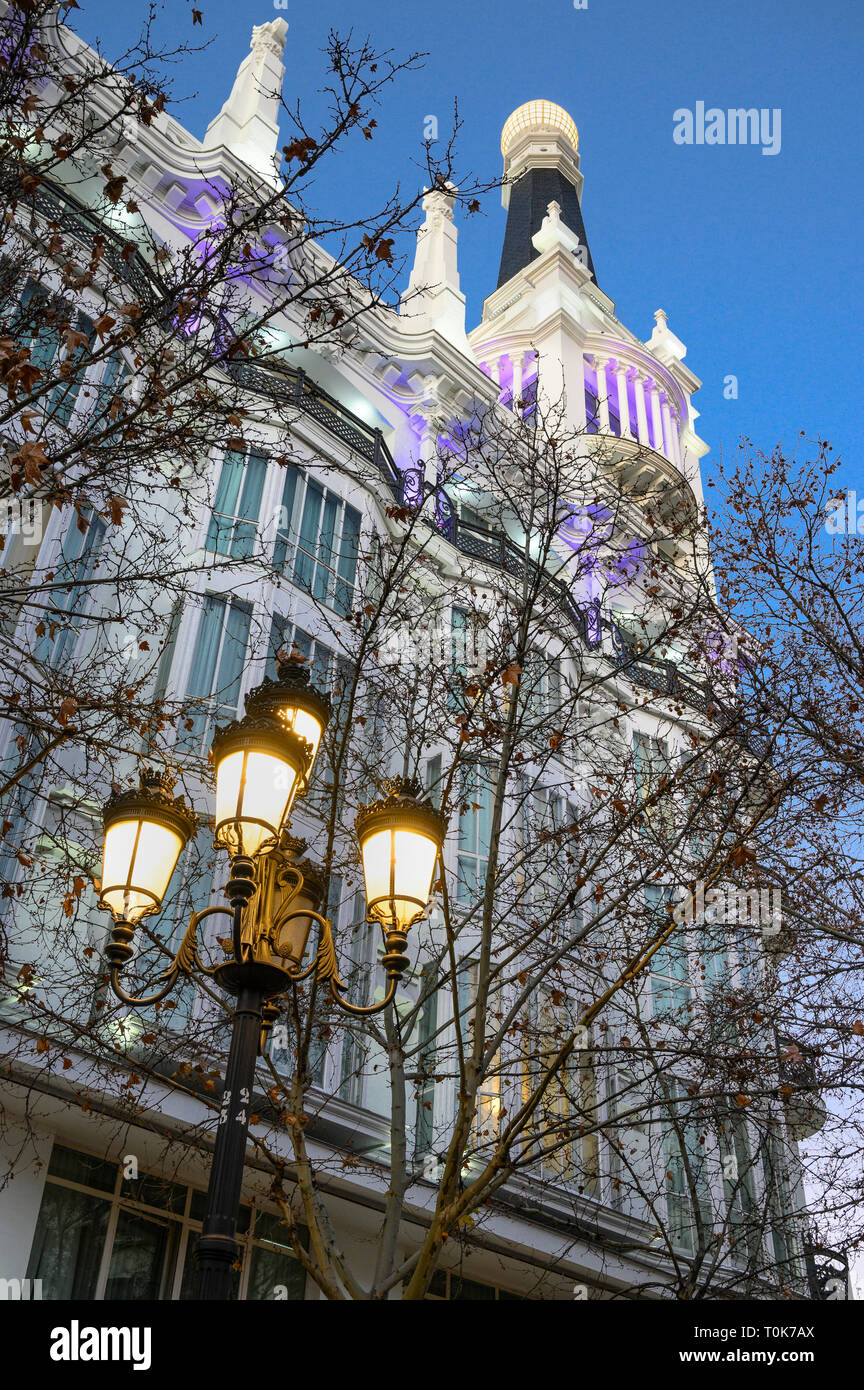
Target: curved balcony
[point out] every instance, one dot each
(58, 206)
(806, 1111)
(633, 403)
(646, 477)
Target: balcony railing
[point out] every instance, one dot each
(291, 386)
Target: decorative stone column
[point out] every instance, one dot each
(656, 422)
(678, 457)
(623, 402)
(668, 429)
(641, 414)
(602, 394)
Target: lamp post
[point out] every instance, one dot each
(263, 763)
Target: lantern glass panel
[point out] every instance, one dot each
(138, 860)
(415, 865)
(304, 724)
(404, 859)
(254, 793)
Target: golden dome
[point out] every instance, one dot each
(538, 115)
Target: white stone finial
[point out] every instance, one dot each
(433, 296)
(248, 124)
(663, 342)
(554, 232)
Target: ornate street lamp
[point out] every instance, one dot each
(263, 762)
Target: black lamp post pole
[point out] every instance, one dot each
(217, 1247)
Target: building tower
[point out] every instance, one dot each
(540, 145)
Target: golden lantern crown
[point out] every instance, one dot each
(294, 701)
(146, 829)
(401, 837)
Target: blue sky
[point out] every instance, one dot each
(755, 258)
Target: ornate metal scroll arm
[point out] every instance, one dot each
(325, 966)
(187, 961)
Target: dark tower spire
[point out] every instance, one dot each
(540, 145)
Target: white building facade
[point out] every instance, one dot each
(106, 1200)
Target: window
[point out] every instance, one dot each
(285, 636)
(475, 828)
(217, 667)
(234, 522)
(432, 780)
(424, 1128)
(779, 1205)
(114, 376)
(564, 1122)
(738, 1187)
(317, 541)
(42, 314)
(454, 1287)
(684, 1157)
(61, 401)
(99, 1236)
(749, 946)
(459, 658)
(631, 1142)
(592, 418)
(361, 971)
(546, 874)
(74, 572)
(652, 766)
(714, 955)
(670, 976)
(544, 686)
(467, 654)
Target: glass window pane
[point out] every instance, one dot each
(156, 1192)
(274, 1274)
(347, 567)
(304, 561)
(82, 1168)
(67, 1246)
(253, 486)
(142, 1258)
(283, 534)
